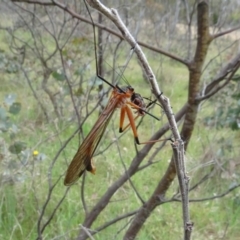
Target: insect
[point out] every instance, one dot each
(124, 98)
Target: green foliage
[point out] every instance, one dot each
(17, 147)
(35, 153)
(215, 18)
(228, 107)
(12, 107)
(7, 64)
(58, 76)
(15, 108)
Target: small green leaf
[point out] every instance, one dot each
(66, 90)
(77, 41)
(234, 125)
(236, 78)
(12, 68)
(79, 92)
(80, 71)
(65, 52)
(95, 81)
(13, 130)
(10, 98)
(58, 76)
(236, 96)
(17, 147)
(3, 114)
(3, 60)
(5, 125)
(15, 108)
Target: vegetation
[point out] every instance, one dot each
(51, 98)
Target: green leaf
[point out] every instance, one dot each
(219, 112)
(95, 81)
(65, 52)
(13, 130)
(10, 99)
(17, 147)
(234, 125)
(79, 92)
(66, 90)
(12, 68)
(3, 60)
(58, 76)
(5, 125)
(236, 96)
(15, 108)
(80, 71)
(3, 114)
(236, 78)
(77, 41)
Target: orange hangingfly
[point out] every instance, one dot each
(123, 98)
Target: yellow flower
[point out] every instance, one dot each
(35, 153)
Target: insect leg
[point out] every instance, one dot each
(122, 117)
(132, 122)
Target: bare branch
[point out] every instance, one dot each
(183, 179)
(119, 218)
(214, 36)
(213, 89)
(211, 198)
(77, 16)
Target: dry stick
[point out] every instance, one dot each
(221, 195)
(220, 34)
(118, 218)
(219, 87)
(87, 231)
(178, 152)
(213, 87)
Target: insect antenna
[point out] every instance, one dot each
(121, 74)
(95, 52)
(151, 102)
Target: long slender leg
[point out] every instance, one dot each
(122, 116)
(133, 126)
(132, 123)
(129, 125)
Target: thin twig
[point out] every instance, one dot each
(77, 16)
(183, 179)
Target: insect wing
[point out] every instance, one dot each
(82, 159)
